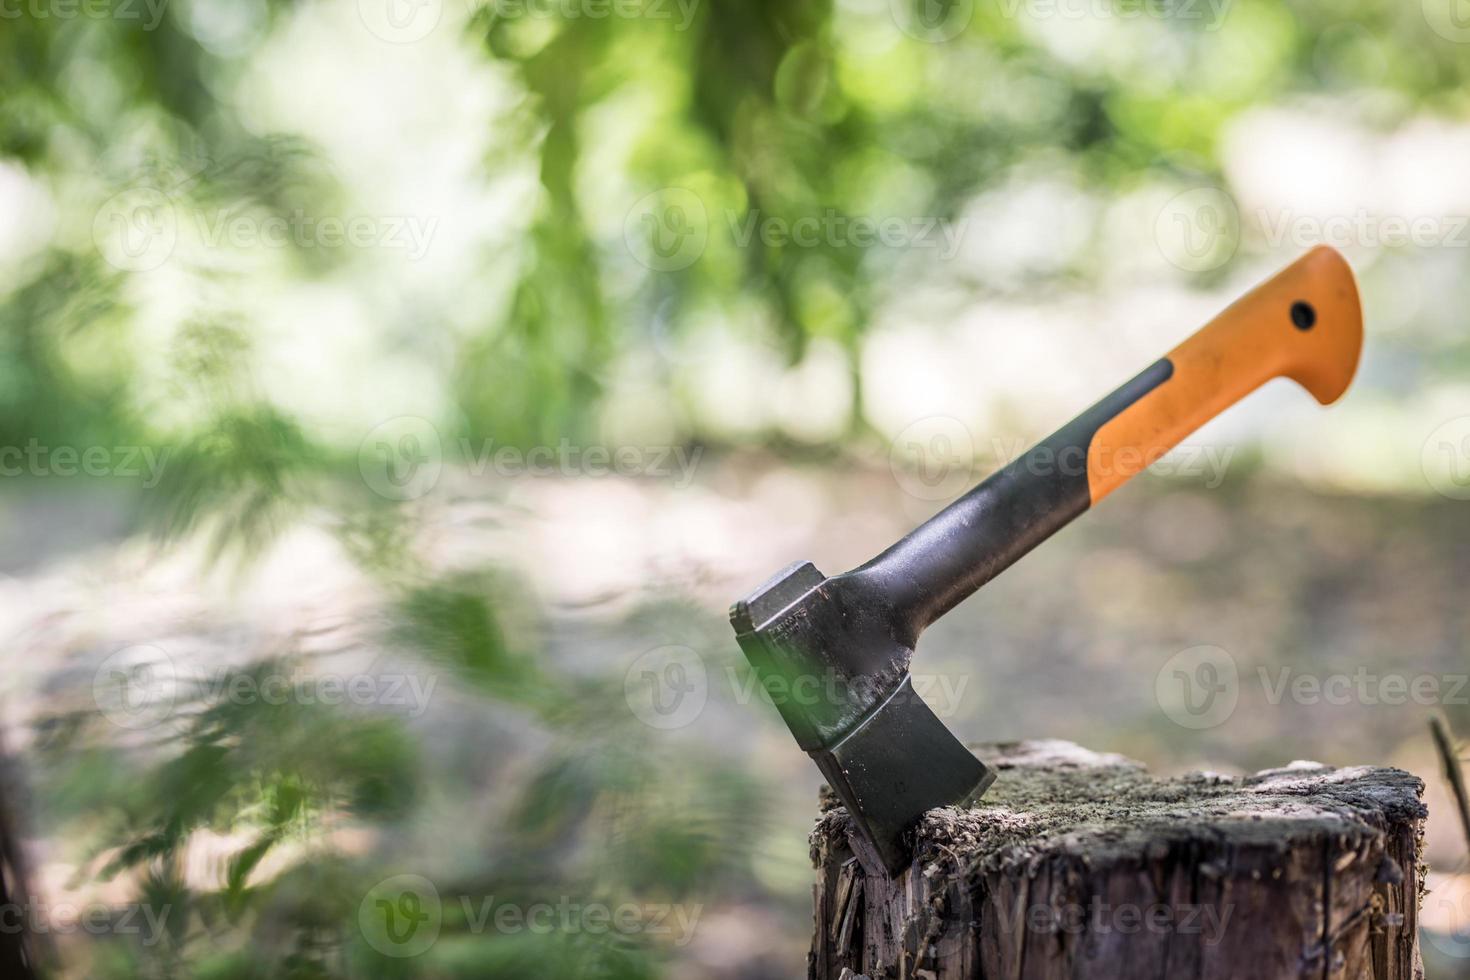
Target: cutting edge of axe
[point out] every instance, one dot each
(834, 651)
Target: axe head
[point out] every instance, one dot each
(834, 658)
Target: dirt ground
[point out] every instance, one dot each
(1315, 625)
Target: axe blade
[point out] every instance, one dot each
(897, 764)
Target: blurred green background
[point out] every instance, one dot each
(395, 393)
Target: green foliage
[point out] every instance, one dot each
(537, 778)
(455, 624)
(240, 475)
(64, 360)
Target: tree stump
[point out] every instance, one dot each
(1082, 865)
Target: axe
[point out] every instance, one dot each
(834, 652)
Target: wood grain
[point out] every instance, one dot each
(1083, 865)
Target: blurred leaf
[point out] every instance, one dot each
(454, 622)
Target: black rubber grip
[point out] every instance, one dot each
(977, 537)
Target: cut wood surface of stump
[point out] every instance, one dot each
(1082, 865)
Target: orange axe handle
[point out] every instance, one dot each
(1305, 323)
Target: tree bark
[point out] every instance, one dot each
(17, 948)
(1082, 865)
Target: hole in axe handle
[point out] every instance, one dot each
(1303, 315)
